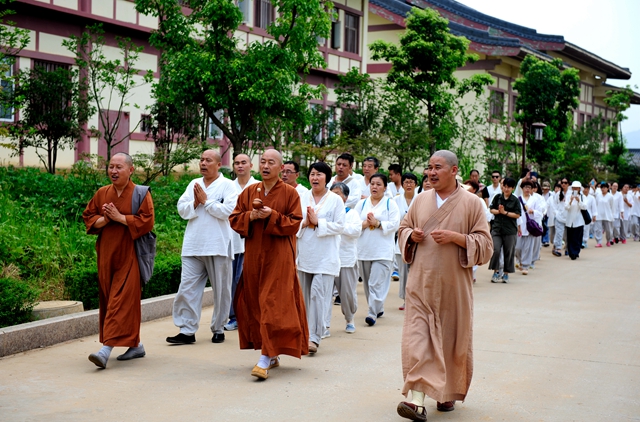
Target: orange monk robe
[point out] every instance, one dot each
(118, 272)
(268, 302)
(437, 351)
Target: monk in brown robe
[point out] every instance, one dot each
(108, 215)
(447, 230)
(268, 301)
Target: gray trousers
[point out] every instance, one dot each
(403, 270)
(537, 245)
(557, 239)
(635, 226)
(585, 234)
(616, 228)
(601, 226)
(346, 284)
(624, 229)
(316, 289)
(504, 247)
(376, 277)
(187, 305)
(525, 250)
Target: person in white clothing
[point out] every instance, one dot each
(617, 211)
(370, 166)
(347, 281)
(206, 250)
(404, 201)
(242, 166)
(635, 214)
(604, 222)
(627, 207)
(345, 174)
(560, 216)
(574, 223)
(493, 189)
(290, 174)
(380, 220)
(592, 208)
(395, 180)
(534, 206)
(318, 259)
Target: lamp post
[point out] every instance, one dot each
(538, 132)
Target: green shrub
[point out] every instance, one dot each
(82, 283)
(17, 300)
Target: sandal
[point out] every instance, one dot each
(260, 373)
(412, 411)
(447, 406)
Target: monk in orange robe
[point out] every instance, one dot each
(108, 215)
(268, 301)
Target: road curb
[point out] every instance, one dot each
(50, 331)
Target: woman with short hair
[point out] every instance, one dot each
(506, 210)
(527, 243)
(604, 221)
(574, 225)
(409, 184)
(380, 219)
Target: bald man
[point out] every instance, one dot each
(269, 304)
(206, 250)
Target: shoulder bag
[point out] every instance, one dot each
(145, 245)
(533, 227)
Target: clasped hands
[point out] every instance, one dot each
(441, 237)
(260, 213)
(312, 218)
(372, 222)
(199, 195)
(111, 213)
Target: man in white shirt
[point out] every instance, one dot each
(242, 166)
(617, 211)
(395, 178)
(206, 250)
(345, 174)
(370, 166)
(625, 217)
(635, 213)
(290, 174)
(493, 189)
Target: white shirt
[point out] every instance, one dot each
(536, 204)
(560, 210)
(574, 214)
(378, 244)
(349, 239)
(301, 189)
(208, 231)
(551, 209)
(319, 248)
(394, 191)
(364, 190)
(403, 209)
(617, 204)
(354, 189)
(605, 206)
(237, 242)
(590, 202)
(493, 192)
(636, 203)
(626, 209)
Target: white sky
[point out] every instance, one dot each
(609, 29)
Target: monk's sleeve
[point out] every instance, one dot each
(240, 218)
(287, 223)
(479, 242)
(91, 214)
(141, 223)
(404, 234)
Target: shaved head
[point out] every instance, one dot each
(127, 158)
(450, 158)
(272, 153)
(242, 157)
(213, 154)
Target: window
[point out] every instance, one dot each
(6, 83)
(263, 13)
(49, 66)
(351, 27)
(214, 130)
(580, 119)
(496, 105)
(145, 123)
(244, 6)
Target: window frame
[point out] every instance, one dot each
(259, 18)
(351, 33)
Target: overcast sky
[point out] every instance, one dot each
(609, 29)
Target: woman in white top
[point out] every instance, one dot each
(574, 225)
(404, 201)
(380, 220)
(526, 243)
(560, 216)
(319, 248)
(538, 240)
(591, 207)
(604, 222)
(347, 281)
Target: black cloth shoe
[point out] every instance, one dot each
(337, 301)
(217, 338)
(182, 339)
(380, 314)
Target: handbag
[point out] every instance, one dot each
(586, 216)
(145, 245)
(533, 227)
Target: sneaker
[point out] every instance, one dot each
(566, 252)
(232, 325)
(337, 301)
(532, 267)
(556, 252)
(325, 334)
(505, 278)
(609, 244)
(351, 328)
(495, 278)
(624, 241)
(584, 245)
(395, 276)
(598, 245)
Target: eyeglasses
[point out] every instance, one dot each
(289, 172)
(409, 182)
(495, 177)
(564, 182)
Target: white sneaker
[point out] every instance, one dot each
(325, 334)
(350, 328)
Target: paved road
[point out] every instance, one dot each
(561, 344)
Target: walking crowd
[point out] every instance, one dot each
(278, 254)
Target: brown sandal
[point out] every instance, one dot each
(447, 406)
(412, 411)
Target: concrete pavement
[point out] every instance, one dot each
(560, 344)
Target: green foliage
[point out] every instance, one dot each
(259, 82)
(582, 152)
(424, 66)
(547, 93)
(617, 155)
(81, 283)
(12, 38)
(17, 300)
(108, 83)
(52, 112)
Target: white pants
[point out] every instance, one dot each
(525, 250)
(601, 226)
(537, 245)
(187, 306)
(346, 284)
(624, 229)
(557, 239)
(316, 289)
(376, 276)
(403, 270)
(585, 234)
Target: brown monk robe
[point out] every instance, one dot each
(437, 350)
(108, 215)
(268, 301)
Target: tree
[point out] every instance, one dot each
(208, 66)
(424, 65)
(547, 93)
(53, 112)
(582, 152)
(109, 84)
(617, 154)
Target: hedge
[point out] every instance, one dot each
(17, 300)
